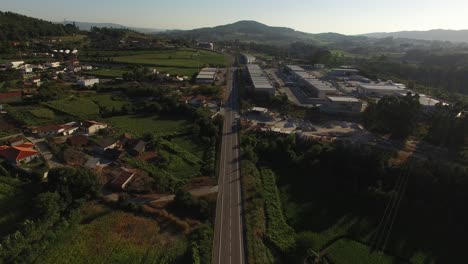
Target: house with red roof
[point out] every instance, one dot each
(23, 153)
(10, 97)
(123, 177)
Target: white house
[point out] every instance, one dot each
(14, 64)
(88, 82)
(53, 64)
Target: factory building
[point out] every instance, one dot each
(380, 89)
(88, 82)
(318, 88)
(342, 105)
(260, 82)
(248, 59)
(207, 76)
(206, 45)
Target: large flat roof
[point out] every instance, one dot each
(381, 87)
(295, 68)
(343, 99)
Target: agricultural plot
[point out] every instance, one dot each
(33, 116)
(139, 125)
(190, 145)
(7, 127)
(352, 252)
(181, 62)
(109, 102)
(75, 106)
(107, 73)
(14, 204)
(116, 237)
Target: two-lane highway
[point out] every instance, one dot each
(228, 239)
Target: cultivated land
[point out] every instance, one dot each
(107, 73)
(139, 125)
(15, 201)
(107, 236)
(180, 61)
(75, 106)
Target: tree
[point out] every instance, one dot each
(47, 205)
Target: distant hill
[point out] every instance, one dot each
(15, 27)
(252, 31)
(86, 26)
(436, 34)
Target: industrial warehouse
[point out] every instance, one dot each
(207, 75)
(260, 82)
(317, 88)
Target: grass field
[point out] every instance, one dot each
(75, 106)
(34, 116)
(352, 252)
(14, 204)
(116, 237)
(188, 144)
(140, 125)
(107, 73)
(109, 102)
(181, 62)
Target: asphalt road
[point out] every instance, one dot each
(228, 244)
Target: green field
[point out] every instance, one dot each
(34, 116)
(188, 144)
(181, 62)
(15, 203)
(109, 102)
(107, 73)
(139, 125)
(351, 252)
(107, 236)
(75, 106)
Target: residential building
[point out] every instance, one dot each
(14, 64)
(10, 97)
(19, 154)
(93, 163)
(54, 64)
(78, 141)
(102, 145)
(55, 130)
(86, 68)
(88, 82)
(342, 105)
(123, 177)
(139, 148)
(207, 75)
(259, 80)
(93, 127)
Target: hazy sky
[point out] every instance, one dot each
(342, 16)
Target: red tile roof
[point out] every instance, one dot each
(10, 95)
(16, 154)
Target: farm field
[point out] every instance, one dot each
(138, 125)
(107, 73)
(188, 144)
(7, 127)
(75, 106)
(33, 116)
(181, 62)
(15, 203)
(107, 236)
(109, 102)
(347, 251)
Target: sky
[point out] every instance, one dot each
(313, 16)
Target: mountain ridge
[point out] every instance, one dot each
(429, 35)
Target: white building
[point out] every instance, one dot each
(380, 89)
(207, 75)
(260, 82)
(14, 64)
(206, 45)
(54, 64)
(248, 59)
(320, 89)
(342, 105)
(86, 68)
(88, 82)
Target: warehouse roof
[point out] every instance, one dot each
(343, 99)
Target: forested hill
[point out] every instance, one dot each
(435, 34)
(252, 31)
(14, 27)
